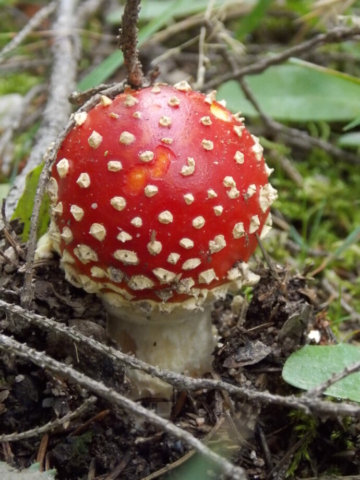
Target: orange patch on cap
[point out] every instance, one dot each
(220, 112)
(163, 157)
(136, 180)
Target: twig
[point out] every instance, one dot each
(294, 136)
(289, 168)
(335, 35)
(336, 377)
(265, 447)
(201, 65)
(182, 382)
(301, 139)
(229, 10)
(29, 27)
(334, 293)
(6, 136)
(311, 252)
(268, 260)
(128, 40)
(15, 437)
(56, 113)
(96, 418)
(168, 468)
(121, 466)
(78, 98)
(66, 52)
(88, 8)
(19, 65)
(43, 361)
(286, 458)
(42, 451)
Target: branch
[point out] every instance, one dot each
(182, 382)
(336, 377)
(293, 136)
(64, 371)
(128, 40)
(335, 35)
(62, 82)
(334, 292)
(201, 65)
(35, 432)
(29, 27)
(87, 8)
(66, 52)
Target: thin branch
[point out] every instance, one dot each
(355, 316)
(18, 118)
(293, 136)
(336, 35)
(298, 138)
(181, 382)
(336, 377)
(88, 8)
(228, 10)
(202, 58)
(64, 371)
(35, 432)
(66, 53)
(66, 48)
(35, 21)
(171, 466)
(128, 40)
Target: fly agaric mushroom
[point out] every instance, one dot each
(156, 199)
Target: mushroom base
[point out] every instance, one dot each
(182, 343)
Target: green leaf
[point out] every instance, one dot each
(353, 237)
(298, 91)
(102, 72)
(250, 22)
(4, 190)
(352, 124)
(109, 66)
(312, 365)
(25, 205)
(350, 140)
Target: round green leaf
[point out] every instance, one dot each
(312, 365)
(298, 92)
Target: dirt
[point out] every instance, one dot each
(268, 441)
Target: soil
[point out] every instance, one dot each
(268, 441)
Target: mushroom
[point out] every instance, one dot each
(157, 197)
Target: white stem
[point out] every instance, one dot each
(181, 342)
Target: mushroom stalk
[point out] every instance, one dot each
(179, 341)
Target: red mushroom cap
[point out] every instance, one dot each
(157, 196)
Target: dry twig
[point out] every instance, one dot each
(35, 432)
(303, 402)
(29, 27)
(66, 53)
(43, 361)
(336, 35)
(293, 136)
(202, 57)
(355, 316)
(128, 43)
